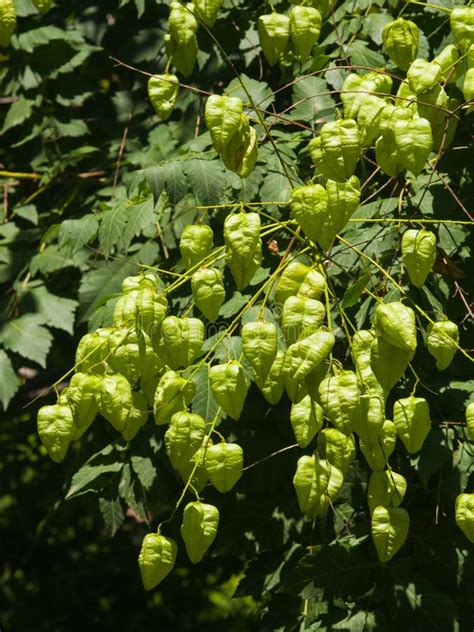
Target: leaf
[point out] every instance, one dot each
(19, 112)
(57, 311)
(207, 180)
(354, 291)
(260, 92)
(140, 216)
(51, 259)
(204, 402)
(360, 54)
(94, 474)
(112, 513)
(28, 337)
(28, 212)
(103, 282)
(144, 469)
(170, 177)
(75, 233)
(275, 188)
(9, 382)
(112, 225)
(312, 101)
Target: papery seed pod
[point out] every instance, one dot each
(273, 385)
(114, 399)
(308, 205)
(395, 322)
(361, 352)
(305, 28)
(423, 75)
(304, 356)
(378, 453)
(339, 397)
(229, 386)
(313, 285)
(224, 465)
(401, 39)
(199, 529)
(301, 318)
(173, 394)
(195, 467)
(208, 10)
(182, 340)
(295, 389)
(260, 346)
(81, 399)
(208, 291)
(447, 59)
(182, 22)
(223, 117)
(369, 118)
(388, 362)
(356, 89)
(243, 246)
(157, 558)
(465, 515)
(273, 33)
(419, 254)
(316, 482)
(195, 244)
(386, 489)
(163, 91)
(43, 6)
(442, 342)
(152, 369)
(7, 22)
(432, 106)
(411, 416)
(462, 27)
(468, 87)
(92, 352)
(389, 530)
(183, 51)
(249, 156)
(139, 282)
(306, 420)
(314, 379)
(369, 418)
(470, 421)
(290, 281)
(343, 199)
(184, 437)
(337, 150)
(137, 417)
(337, 448)
(56, 429)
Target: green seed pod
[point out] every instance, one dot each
(306, 420)
(419, 254)
(386, 489)
(361, 352)
(356, 89)
(243, 246)
(139, 282)
(423, 75)
(56, 430)
(314, 379)
(337, 448)
(369, 118)
(152, 369)
(316, 482)
(114, 399)
(465, 515)
(208, 291)
(81, 399)
(184, 437)
(250, 154)
(229, 387)
(260, 345)
(447, 59)
(339, 397)
(7, 22)
(43, 6)
(313, 285)
(182, 340)
(378, 453)
(182, 22)
(369, 418)
(195, 244)
(400, 40)
(172, 395)
(290, 281)
(432, 106)
(323, 6)
(304, 356)
(295, 389)
(388, 363)
(273, 385)
(208, 10)
(127, 359)
(301, 317)
(462, 27)
(223, 117)
(412, 420)
(309, 207)
(343, 199)
(163, 92)
(442, 342)
(156, 559)
(137, 417)
(273, 33)
(337, 150)
(468, 87)
(183, 52)
(224, 465)
(92, 352)
(470, 421)
(396, 324)
(305, 28)
(199, 477)
(199, 529)
(389, 530)
(241, 152)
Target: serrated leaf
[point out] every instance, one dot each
(103, 282)
(112, 225)
(259, 91)
(207, 180)
(204, 402)
(144, 469)
(51, 259)
(9, 381)
(75, 233)
(19, 112)
(112, 513)
(58, 311)
(312, 101)
(28, 337)
(93, 476)
(140, 216)
(354, 291)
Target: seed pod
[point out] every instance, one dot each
(224, 465)
(199, 529)
(388, 362)
(195, 244)
(396, 324)
(339, 397)
(313, 285)
(357, 88)
(113, 395)
(163, 92)
(442, 342)
(199, 477)
(306, 420)
(465, 515)
(304, 356)
(127, 359)
(181, 340)
(337, 150)
(305, 28)
(208, 10)
(462, 27)
(260, 345)
(337, 448)
(208, 291)
(156, 559)
(229, 387)
(389, 530)
(92, 352)
(314, 379)
(137, 416)
(295, 389)
(378, 453)
(173, 394)
(43, 6)
(301, 317)
(423, 75)
(56, 430)
(309, 206)
(81, 399)
(182, 51)
(184, 437)
(362, 358)
(249, 157)
(400, 40)
(273, 385)
(273, 33)
(447, 59)
(343, 200)
(241, 151)
(152, 369)
(419, 254)
(223, 118)
(244, 246)
(406, 145)
(369, 118)
(182, 22)
(386, 489)
(290, 281)
(468, 87)
(369, 418)
(432, 106)
(316, 482)
(412, 420)
(470, 421)
(7, 22)
(323, 6)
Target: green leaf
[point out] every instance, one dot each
(75, 233)
(95, 474)
(144, 469)
(311, 101)
(19, 112)
(53, 258)
(28, 337)
(207, 180)
(112, 512)
(260, 92)
(354, 291)
(103, 282)
(57, 311)
(112, 226)
(204, 403)
(140, 217)
(9, 382)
